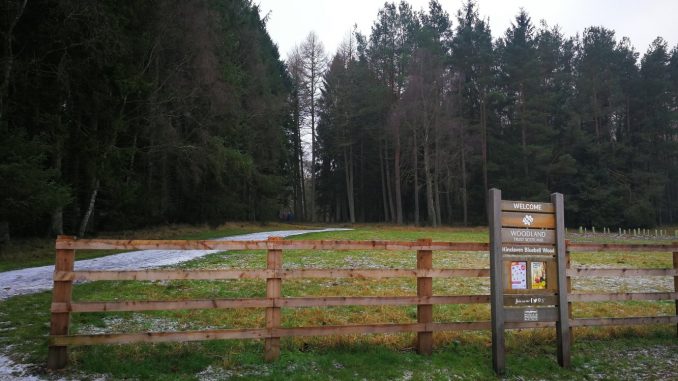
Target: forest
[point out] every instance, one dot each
(118, 115)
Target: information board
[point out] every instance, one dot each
(527, 265)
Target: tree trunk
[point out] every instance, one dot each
(595, 114)
(462, 152)
(464, 194)
(483, 131)
(4, 232)
(415, 153)
(90, 209)
(57, 223)
(436, 178)
(448, 197)
(75, 212)
(436, 199)
(433, 220)
(384, 197)
(302, 178)
(396, 168)
(132, 158)
(348, 171)
(362, 181)
(9, 56)
(164, 186)
(312, 200)
(300, 201)
(389, 190)
(669, 202)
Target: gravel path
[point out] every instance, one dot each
(37, 279)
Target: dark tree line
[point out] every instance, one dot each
(116, 115)
(426, 113)
(121, 114)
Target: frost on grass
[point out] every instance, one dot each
(658, 362)
(619, 284)
(134, 323)
(213, 373)
(11, 371)
(407, 375)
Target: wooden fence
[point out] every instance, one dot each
(274, 274)
(622, 273)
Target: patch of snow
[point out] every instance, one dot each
(11, 371)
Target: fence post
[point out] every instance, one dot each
(563, 323)
(424, 289)
(569, 290)
(57, 356)
(273, 291)
(675, 280)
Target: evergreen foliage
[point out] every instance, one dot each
(119, 115)
(533, 112)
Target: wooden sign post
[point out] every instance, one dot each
(527, 266)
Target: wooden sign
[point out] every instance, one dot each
(526, 206)
(518, 315)
(528, 250)
(527, 266)
(511, 235)
(528, 220)
(527, 275)
(531, 300)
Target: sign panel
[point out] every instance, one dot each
(526, 206)
(528, 220)
(519, 275)
(527, 265)
(517, 315)
(527, 236)
(527, 275)
(538, 275)
(529, 250)
(531, 300)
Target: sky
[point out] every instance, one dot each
(289, 21)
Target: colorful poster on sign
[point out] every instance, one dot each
(538, 275)
(518, 275)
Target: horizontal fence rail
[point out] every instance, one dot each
(274, 274)
(106, 244)
(113, 244)
(622, 273)
(154, 275)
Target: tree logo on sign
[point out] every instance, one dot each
(528, 219)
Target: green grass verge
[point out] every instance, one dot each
(403, 233)
(648, 352)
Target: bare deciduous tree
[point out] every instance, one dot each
(314, 64)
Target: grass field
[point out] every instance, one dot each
(649, 352)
